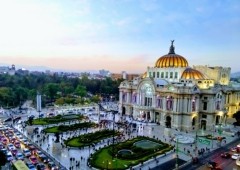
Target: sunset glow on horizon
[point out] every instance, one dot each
(118, 35)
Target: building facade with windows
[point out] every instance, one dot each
(177, 96)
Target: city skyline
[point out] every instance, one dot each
(118, 35)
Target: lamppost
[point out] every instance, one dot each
(176, 155)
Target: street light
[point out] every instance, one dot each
(176, 155)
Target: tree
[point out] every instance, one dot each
(81, 91)
(237, 117)
(3, 159)
(51, 90)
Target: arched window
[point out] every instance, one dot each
(124, 97)
(218, 101)
(169, 103)
(194, 104)
(159, 102)
(134, 98)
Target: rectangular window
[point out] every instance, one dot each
(204, 105)
(171, 75)
(150, 74)
(166, 76)
(153, 74)
(176, 75)
(162, 74)
(145, 102)
(157, 74)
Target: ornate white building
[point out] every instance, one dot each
(175, 95)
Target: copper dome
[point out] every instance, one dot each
(171, 60)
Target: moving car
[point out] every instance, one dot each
(14, 152)
(26, 152)
(41, 166)
(10, 146)
(17, 144)
(238, 161)
(33, 160)
(19, 156)
(211, 164)
(225, 155)
(235, 156)
(30, 166)
(9, 156)
(52, 166)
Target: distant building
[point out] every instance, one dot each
(177, 96)
(124, 75)
(104, 73)
(7, 70)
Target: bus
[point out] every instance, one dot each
(19, 165)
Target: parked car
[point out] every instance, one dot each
(43, 158)
(8, 119)
(17, 118)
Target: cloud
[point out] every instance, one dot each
(149, 5)
(124, 22)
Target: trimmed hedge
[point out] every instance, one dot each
(65, 128)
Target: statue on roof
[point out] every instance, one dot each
(171, 50)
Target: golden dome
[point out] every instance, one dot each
(190, 73)
(171, 59)
(144, 75)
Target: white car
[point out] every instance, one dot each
(238, 161)
(235, 156)
(19, 156)
(10, 146)
(9, 156)
(26, 152)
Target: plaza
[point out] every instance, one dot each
(184, 142)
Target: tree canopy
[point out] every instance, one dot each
(18, 88)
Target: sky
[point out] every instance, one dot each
(118, 35)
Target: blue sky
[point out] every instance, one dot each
(118, 35)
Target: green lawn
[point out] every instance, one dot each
(105, 161)
(56, 119)
(90, 138)
(103, 158)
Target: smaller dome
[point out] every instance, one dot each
(190, 73)
(144, 75)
